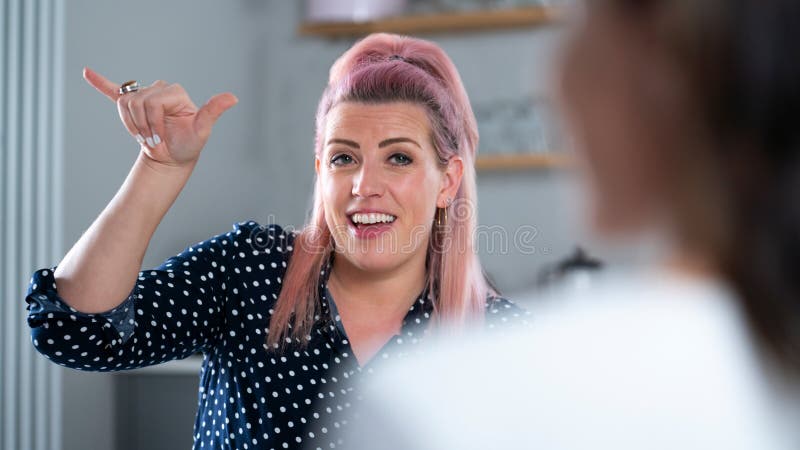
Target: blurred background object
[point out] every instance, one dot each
(352, 10)
(521, 125)
(574, 272)
(259, 162)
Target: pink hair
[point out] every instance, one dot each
(390, 68)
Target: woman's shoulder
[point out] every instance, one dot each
(496, 304)
(250, 252)
(248, 239)
(250, 231)
(501, 311)
(626, 341)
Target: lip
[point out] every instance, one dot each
(368, 231)
(367, 211)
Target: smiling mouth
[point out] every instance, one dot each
(366, 219)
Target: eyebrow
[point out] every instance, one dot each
(384, 143)
(346, 142)
(398, 140)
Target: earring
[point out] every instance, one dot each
(439, 212)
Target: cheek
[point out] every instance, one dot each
(417, 193)
(334, 194)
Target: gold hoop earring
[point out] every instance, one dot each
(439, 212)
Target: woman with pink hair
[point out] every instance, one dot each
(286, 321)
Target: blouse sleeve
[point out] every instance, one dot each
(173, 311)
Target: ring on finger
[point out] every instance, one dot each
(128, 87)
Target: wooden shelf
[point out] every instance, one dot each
(523, 161)
(523, 17)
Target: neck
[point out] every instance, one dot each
(380, 295)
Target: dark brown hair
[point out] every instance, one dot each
(742, 72)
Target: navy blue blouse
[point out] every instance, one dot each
(216, 297)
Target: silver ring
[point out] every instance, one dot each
(129, 86)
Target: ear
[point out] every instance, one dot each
(451, 181)
(316, 165)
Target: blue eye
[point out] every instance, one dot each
(341, 159)
(400, 159)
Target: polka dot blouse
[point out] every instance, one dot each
(217, 298)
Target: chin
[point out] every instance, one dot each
(372, 261)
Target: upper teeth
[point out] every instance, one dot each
(373, 218)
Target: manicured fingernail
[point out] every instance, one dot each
(150, 142)
(139, 139)
(156, 139)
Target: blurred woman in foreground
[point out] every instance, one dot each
(686, 115)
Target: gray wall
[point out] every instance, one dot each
(258, 162)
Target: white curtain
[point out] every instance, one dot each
(31, 72)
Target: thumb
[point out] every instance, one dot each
(209, 113)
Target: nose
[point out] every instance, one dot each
(368, 182)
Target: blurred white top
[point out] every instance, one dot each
(636, 362)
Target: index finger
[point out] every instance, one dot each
(102, 84)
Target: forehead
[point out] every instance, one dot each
(383, 119)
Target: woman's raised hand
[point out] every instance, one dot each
(163, 119)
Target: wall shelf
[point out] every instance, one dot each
(525, 161)
(522, 17)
